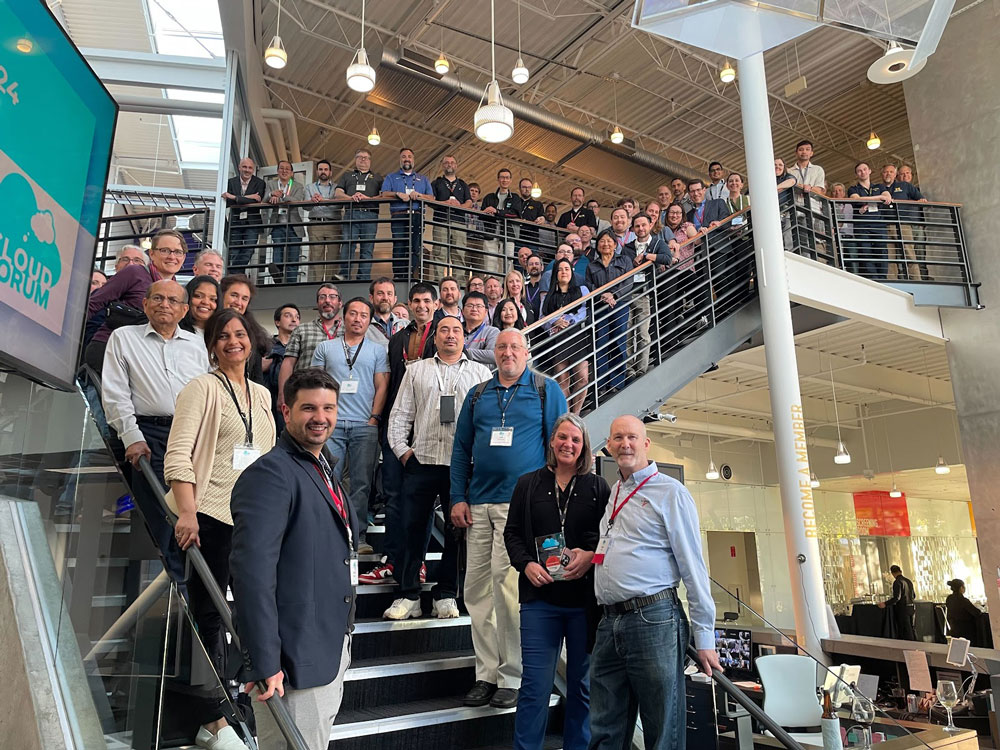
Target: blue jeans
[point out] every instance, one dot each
(611, 352)
(361, 228)
(242, 239)
(638, 667)
(543, 628)
(407, 242)
(356, 445)
(286, 250)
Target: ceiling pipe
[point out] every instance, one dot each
(545, 119)
(156, 106)
(287, 120)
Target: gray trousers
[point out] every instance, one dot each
(313, 711)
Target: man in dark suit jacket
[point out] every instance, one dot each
(294, 566)
(244, 223)
(705, 213)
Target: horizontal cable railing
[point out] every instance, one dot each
(279, 710)
(657, 309)
(115, 232)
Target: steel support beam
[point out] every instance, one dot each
(149, 70)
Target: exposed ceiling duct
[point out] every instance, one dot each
(421, 68)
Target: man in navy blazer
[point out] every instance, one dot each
(242, 191)
(294, 566)
(705, 213)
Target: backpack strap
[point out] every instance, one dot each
(476, 394)
(539, 381)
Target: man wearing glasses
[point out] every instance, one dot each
(480, 336)
(301, 346)
(145, 367)
(128, 287)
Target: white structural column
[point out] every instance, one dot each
(790, 446)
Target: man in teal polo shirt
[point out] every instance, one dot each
(503, 429)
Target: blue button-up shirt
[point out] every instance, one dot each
(655, 544)
(399, 182)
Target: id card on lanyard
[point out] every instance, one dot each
(351, 383)
(244, 453)
(605, 542)
(503, 436)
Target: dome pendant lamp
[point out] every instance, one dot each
(520, 73)
(275, 55)
(361, 75)
(493, 121)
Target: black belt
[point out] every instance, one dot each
(160, 421)
(638, 602)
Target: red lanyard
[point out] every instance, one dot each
(338, 501)
(616, 508)
(423, 340)
(336, 327)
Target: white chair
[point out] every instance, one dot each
(789, 682)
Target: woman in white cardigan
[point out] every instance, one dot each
(222, 423)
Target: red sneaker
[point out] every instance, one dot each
(423, 573)
(378, 575)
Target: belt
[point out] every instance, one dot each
(160, 421)
(638, 602)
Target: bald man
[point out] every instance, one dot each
(145, 367)
(243, 191)
(650, 542)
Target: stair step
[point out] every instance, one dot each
(410, 639)
(377, 558)
(384, 626)
(407, 716)
(390, 666)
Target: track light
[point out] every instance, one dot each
(813, 480)
(873, 141)
(942, 466)
(728, 73)
(842, 457)
(536, 191)
(617, 136)
(712, 472)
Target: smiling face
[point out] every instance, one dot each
(888, 174)
(576, 197)
(641, 227)
(863, 171)
(165, 304)
(779, 167)
(237, 297)
(503, 180)
(515, 284)
(804, 152)
(422, 307)
(606, 246)
(356, 319)
(247, 169)
(619, 220)
(130, 256)
(406, 160)
(311, 418)
(905, 174)
(508, 313)
(628, 444)
(449, 293)
(284, 171)
(493, 290)
(678, 188)
(474, 312)
(550, 213)
(168, 255)
(511, 354)
(653, 212)
(567, 443)
(534, 266)
(384, 297)
(563, 273)
(696, 192)
(203, 302)
(232, 349)
(209, 264)
(715, 172)
(675, 215)
(734, 183)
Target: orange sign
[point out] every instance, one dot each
(880, 515)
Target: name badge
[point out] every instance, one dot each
(354, 569)
(409, 190)
(738, 221)
(359, 188)
(502, 437)
(873, 208)
(282, 211)
(639, 277)
(243, 456)
(349, 386)
(602, 549)
(243, 215)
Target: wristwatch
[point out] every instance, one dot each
(376, 417)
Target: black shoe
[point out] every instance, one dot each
(504, 698)
(480, 693)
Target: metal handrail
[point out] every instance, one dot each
(279, 711)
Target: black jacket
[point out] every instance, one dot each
(963, 618)
(290, 566)
(578, 216)
(397, 365)
(715, 210)
(256, 186)
(657, 247)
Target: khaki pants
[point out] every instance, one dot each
(491, 598)
(638, 335)
(313, 710)
(447, 261)
(895, 269)
(324, 245)
(496, 256)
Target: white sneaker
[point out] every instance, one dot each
(226, 739)
(445, 609)
(403, 609)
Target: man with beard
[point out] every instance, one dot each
(361, 186)
(305, 338)
(450, 295)
(406, 186)
(324, 237)
(578, 214)
(382, 295)
(532, 286)
(531, 210)
(450, 240)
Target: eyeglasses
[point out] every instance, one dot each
(159, 299)
(325, 297)
(132, 261)
(167, 251)
(477, 306)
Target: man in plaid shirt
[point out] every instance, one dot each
(305, 338)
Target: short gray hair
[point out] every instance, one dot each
(209, 251)
(586, 459)
(128, 247)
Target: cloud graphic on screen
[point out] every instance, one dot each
(26, 226)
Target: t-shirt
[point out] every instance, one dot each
(370, 360)
(812, 174)
(372, 182)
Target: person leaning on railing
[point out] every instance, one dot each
(222, 423)
(611, 313)
(568, 343)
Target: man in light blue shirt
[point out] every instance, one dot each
(650, 541)
(361, 368)
(406, 186)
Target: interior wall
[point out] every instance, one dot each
(952, 106)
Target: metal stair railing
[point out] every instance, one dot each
(279, 711)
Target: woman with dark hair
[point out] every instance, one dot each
(203, 300)
(237, 291)
(222, 423)
(963, 615)
(567, 343)
(507, 315)
(551, 535)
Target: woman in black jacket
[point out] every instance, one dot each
(963, 615)
(551, 535)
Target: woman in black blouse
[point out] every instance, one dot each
(963, 615)
(551, 535)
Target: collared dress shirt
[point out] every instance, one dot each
(144, 372)
(717, 191)
(417, 409)
(656, 544)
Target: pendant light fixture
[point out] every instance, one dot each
(24, 45)
(713, 472)
(373, 137)
(842, 456)
(536, 191)
(493, 122)
(361, 75)
(941, 467)
(275, 55)
(441, 65)
(813, 480)
(873, 141)
(728, 73)
(520, 73)
(895, 491)
(617, 136)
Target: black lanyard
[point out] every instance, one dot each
(503, 407)
(247, 419)
(347, 353)
(563, 507)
